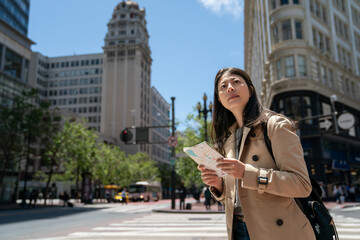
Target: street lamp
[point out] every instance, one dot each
(204, 111)
(333, 99)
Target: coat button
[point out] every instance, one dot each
(252, 134)
(255, 158)
(279, 222)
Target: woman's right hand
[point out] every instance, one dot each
(209, 177)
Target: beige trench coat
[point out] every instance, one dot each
(269, 209)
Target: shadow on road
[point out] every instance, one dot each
(40, 213)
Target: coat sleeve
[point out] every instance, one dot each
(218, 196)
(291, 178)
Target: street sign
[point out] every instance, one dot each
(346, 120)
(172, 141)
(142, 135)
(325, 123)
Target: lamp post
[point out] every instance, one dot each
(204, 111)
(333, 99)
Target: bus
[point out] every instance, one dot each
(145, 191)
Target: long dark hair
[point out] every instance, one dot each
(253, 113)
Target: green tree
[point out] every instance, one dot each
(51, 144)
(78, 151)
(11, 137)
(194, 133)
(21, 126)
(111, 166)
(142, 167)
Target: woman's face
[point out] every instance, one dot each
(233, 92)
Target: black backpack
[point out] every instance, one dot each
(312, 206)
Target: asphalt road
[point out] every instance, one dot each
(59, 221)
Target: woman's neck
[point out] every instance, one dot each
(239, 117)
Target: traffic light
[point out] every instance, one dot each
(126, 136)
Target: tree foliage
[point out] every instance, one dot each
(193, 134)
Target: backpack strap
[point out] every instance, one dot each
(316, 190)
(267, 140)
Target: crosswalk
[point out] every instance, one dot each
(348, 228)
(150, 225)
(158, 226)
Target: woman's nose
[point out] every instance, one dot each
(230, 88)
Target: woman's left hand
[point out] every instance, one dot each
(232, 167)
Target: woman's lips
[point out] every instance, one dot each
(233, 97)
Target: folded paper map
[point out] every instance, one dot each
(203, 154)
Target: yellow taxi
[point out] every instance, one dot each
(118, 197)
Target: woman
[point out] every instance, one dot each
(257, 191)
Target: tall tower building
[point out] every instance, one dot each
(300, 54)
(126, 92)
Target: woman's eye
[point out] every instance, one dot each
(222, 86)
(236, 81)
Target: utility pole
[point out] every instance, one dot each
(173, 155)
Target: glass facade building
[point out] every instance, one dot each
(16, 14)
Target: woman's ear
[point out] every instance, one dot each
(251, 89)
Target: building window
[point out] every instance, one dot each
(278, 69)
(276, 33)
(131, 52)
(331, 78)
(12, 64)
(293, 107)
(301, 65)
(289, 66)
(284, 2)
(296, 1)
(340, 4)
(298, 29)
(273, 4)
(322, 73)
(111, 54)
(357, 42)
(286, 30)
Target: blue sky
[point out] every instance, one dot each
(190, 40)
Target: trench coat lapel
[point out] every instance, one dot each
(230, 145)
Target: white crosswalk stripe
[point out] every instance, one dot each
(128, 208)
(159, 226)
(348, 228)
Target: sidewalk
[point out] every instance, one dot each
(39, 204)
(196, 207)
(199, 207)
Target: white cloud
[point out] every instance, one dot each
(220, 7)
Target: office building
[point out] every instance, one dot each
(160, 117)
(72, 83)
(14, 49)
(304, 57)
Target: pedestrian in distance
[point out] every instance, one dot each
(207, 195)
(257, 192)
(123, 196)
(182, 195)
